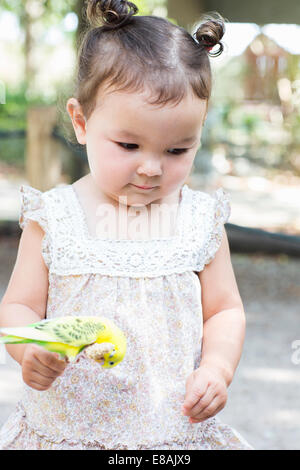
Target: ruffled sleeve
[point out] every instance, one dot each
(33, 207)
(220, 214)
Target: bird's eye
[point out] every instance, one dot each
(111, 363)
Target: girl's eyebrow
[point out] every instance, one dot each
(182, 141)
(127, 134)
(187, 140)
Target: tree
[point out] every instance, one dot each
(30, 12)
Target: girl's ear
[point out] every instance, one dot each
(78, 120)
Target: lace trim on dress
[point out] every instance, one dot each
(33, 207)
(69, 250)
(75, 252)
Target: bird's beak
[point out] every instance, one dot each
(97, 350)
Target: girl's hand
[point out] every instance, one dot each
(206, 394)
(40, 367)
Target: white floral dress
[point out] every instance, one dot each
(151, 290)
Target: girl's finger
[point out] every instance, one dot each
(39, 379)
(203, 402)
(40, 367)
(37, 386)
(211, 410)
(49, 360)
(44, 371)
(193, 397)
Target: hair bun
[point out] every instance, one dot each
(210, 33)
(111, 13)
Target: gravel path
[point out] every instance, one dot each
(263, 403)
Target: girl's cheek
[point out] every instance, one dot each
(179, 168)
(120, 162)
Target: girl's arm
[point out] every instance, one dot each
(25, 302)
(25, 299)
(223, 314)
(223, 337)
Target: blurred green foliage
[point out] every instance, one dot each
(13, 111)
(13, 118)
(257, 134)
(12, 151)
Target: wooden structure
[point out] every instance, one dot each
(45, 155)
(266, 64)
(256, 11)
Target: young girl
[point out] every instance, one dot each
(140, 103)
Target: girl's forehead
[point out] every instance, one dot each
(118, 104)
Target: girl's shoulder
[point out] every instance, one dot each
(34, 196)
(216, 203)
(219, 193)
(37, 205)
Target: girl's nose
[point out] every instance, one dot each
(150, 168)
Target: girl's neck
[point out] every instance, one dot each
(90, 189)
(90, 198)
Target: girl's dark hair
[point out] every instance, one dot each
(121, 51)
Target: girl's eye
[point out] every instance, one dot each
(178, 151)
(135, 146)
(127, 146)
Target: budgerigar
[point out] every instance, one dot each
(104, 341)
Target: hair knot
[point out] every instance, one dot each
(110, 13)
(209, 34)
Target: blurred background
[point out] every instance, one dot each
(250, 147)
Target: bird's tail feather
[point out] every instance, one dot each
(60, 348)
(14, 340)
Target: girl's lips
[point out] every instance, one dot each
(144, 187)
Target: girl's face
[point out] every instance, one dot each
(132, 143)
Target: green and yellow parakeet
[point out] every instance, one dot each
(104, 341)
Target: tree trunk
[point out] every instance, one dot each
(43, 166)
(27, 22)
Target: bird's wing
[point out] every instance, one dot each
(76, 331)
